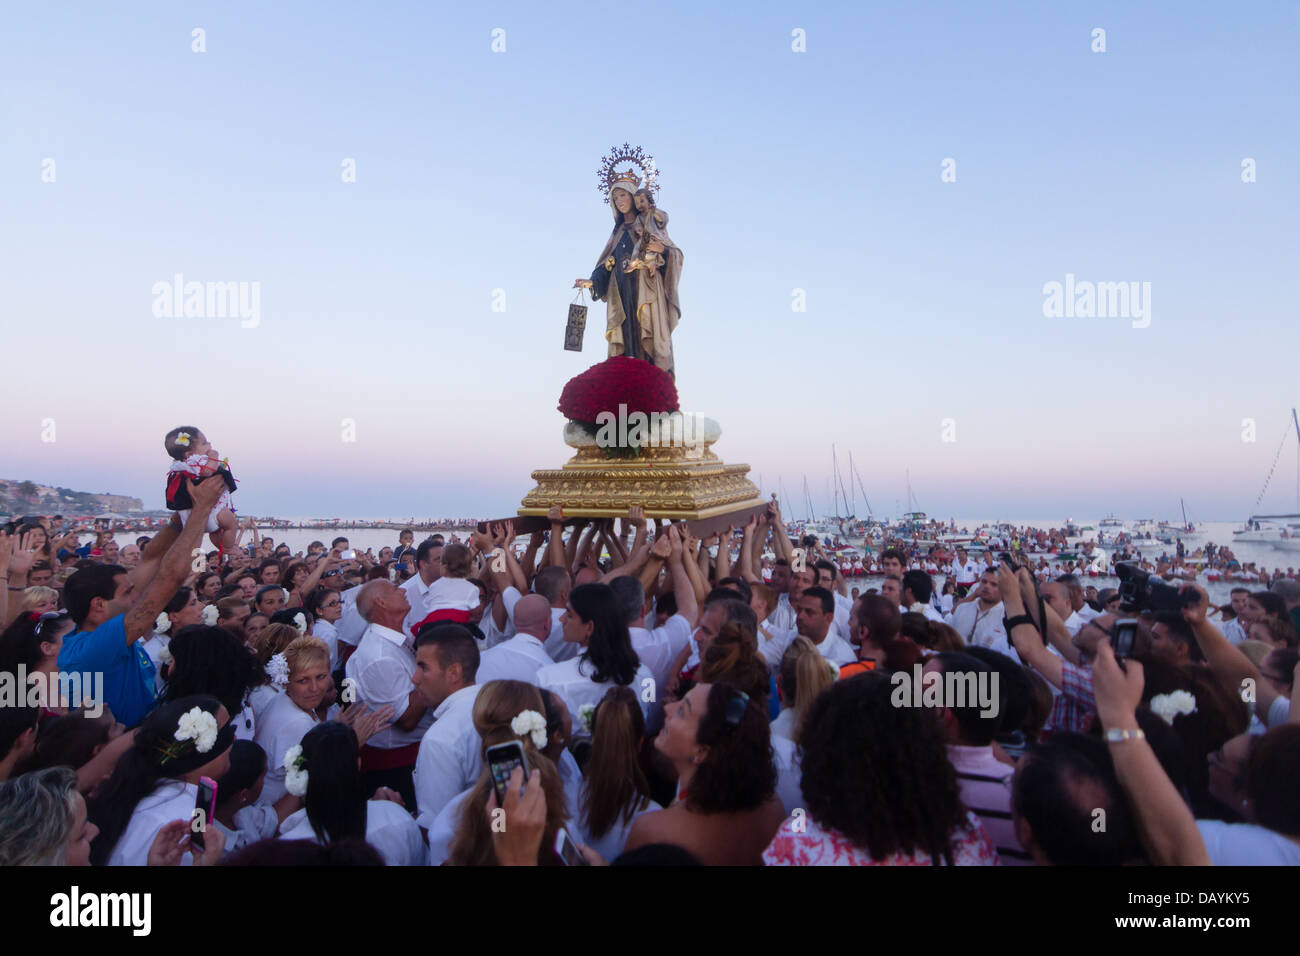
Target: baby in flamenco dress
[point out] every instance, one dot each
(193, 457)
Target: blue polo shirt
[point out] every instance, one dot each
(129, 675)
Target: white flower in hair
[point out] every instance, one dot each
(835, 669)
(199, 726)
(1169, 706)
(277, 668)
(183, 439)
(161, 623)
(295, 773)
(587, 714)
(165, 655)
(300, 622)
(210, 615)
(530, 722)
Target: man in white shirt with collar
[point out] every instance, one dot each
(428, 568)
(917, 591)
(522, 656)
(827, 580)
(1079, 605)
(979, 620)
(554, 584)
(1233, 630)
(1058, 596)
(379, 675)
(816, 611)
(782, 618)
(450, 757)
(965, 572)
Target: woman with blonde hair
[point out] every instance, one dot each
(287, 718)
(805, 673)
(39, 599)
(500, 707)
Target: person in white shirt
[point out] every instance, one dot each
(614, 791)
(782, 619)
(1058, 596)
(816, 611)
(659, 648)
(351, 624)
(965, 572)
(289, 715)
(829, 581)
(239, 815)
(380, 673)
(1077, 602)
(892, 588)
(453, 591)
(917, 591)
(595, 623)
(155, 782)
(326, 607)
(522, 656)
(446, 664)
(428, 569)
(1256, 777)
(1233, 629)
(336, 805)
(553, 583)
(979, 621)
(462, 834)
(802, 677)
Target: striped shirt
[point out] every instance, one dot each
(985, 785)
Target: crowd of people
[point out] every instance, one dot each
(675, 701)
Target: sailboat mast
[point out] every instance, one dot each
(853, 509)
(1296, 421)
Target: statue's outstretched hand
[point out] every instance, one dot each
(582, 283)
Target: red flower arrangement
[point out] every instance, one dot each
(640, 385)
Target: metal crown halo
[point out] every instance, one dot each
(608, 174)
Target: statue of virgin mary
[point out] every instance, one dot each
(636, 273)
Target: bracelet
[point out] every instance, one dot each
(1115, 735)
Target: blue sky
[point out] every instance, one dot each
(817, 171)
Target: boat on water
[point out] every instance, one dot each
(1111, 523)
(1279, 531)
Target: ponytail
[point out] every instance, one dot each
(335, 800)
(616, 786)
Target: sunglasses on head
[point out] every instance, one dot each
(47, 620)
(735, 710)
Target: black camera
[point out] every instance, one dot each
(1141, 591)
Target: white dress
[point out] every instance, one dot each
(281, 725)
(389, 829)
(170, 800)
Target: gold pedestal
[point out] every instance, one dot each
(676, 483)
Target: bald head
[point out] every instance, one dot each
(382, 602)
(533, 616)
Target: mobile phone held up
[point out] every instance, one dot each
(567, 850)
(205, 806)
(1123, 637)
(349, 555)
(502, 760)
